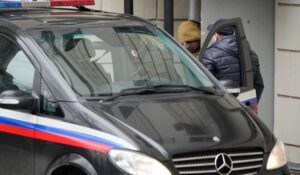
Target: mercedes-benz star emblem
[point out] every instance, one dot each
(223, 164)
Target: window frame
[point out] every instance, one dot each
(37, 77)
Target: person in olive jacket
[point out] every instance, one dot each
(222, 59)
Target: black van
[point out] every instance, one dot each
(97, 93)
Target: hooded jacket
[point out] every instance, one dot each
(222, 60)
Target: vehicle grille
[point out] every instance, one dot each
(246, 162)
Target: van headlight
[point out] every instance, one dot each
(136, 163)
(277, 158)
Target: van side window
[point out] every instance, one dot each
(49, 105)
(16, 71)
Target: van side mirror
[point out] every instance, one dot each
(16, 99)
(231, 86)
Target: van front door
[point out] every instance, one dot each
(232, 47)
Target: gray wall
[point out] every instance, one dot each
(258, 19)
(287, 72)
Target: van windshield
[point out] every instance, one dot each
(105, 61)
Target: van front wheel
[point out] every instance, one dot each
(69, 170)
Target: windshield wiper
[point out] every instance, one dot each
(132, 91)
(207, 90)
(164, 88)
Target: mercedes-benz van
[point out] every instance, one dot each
(97, 93)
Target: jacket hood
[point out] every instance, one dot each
(228, 45)
(167, 124)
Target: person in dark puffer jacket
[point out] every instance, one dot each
(222, 59)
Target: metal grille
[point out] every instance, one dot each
(246, 162)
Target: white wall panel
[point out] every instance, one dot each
(287, 73)
(282, 73)
(295, 75)
(287, 119)
(288, 27)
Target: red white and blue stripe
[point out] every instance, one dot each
(60, 132)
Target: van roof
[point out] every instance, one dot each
(43, 18)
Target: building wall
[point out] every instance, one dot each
(287, 73)
(152, 10)
(258, 20)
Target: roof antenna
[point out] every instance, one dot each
(85, 9)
